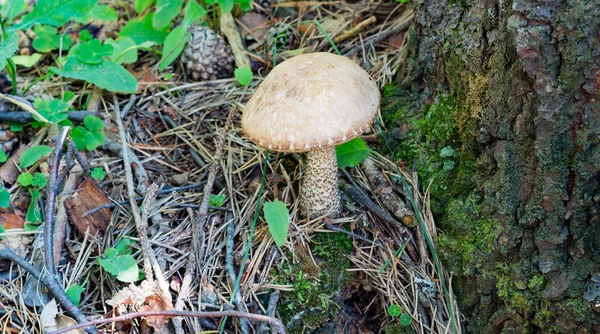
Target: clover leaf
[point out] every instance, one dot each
(92, 52)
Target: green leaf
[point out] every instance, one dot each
(4, 198)
(173, 46)
(8, 48)
(216, 200)
(78, 135)
(193, 13)
(141, 31)
(3, 156)
(34, 214)
(45, 31)
(141, 5)
(243, 75)
(27, 61)
(16, 8)
(352, 153)
(394, 310)
(85, 35)
(33, 154)
(100, 13)
(16, 127)
(93, 123)
(405, 319)
(107, 75)
(125, 50)
(99, 174)
(278, 219)
(56, 12)
(25, 179)
(165, 12)
(92, 52)
(2, 231)
(74, 293)
(124, 246)
(93, 140)
(226, 5)
(122, 266)
(39, 180)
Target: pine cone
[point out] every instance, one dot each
(262, 6)
(207, 56)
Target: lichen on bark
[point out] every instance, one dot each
(526, 76)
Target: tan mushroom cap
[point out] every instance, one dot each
(310, 101)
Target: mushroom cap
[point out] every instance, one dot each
(311, 101)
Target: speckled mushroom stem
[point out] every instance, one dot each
(320, 194)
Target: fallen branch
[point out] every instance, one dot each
(52, 285)
(355, 30)
(24, 117)
(277, 325)
(273, 299)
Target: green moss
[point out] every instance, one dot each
(311, 305)
(468, 240)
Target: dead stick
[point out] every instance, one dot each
(52, 191)
(230, 31)
(273, 299)
(61, 216)
(25, 117)
(279, 327)
(237, 300)
(52, 284)
(355, 30)
(131, 192)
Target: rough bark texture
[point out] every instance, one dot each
(320, 187)
(526, 75)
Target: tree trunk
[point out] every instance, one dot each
(525, 78)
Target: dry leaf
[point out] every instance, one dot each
(10, 221)
(148, 296)
(52, 321)
(89, 197)
(253, 26)
(17, 243)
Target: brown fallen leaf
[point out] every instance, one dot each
(9, 171)
(10, 221)
(53, 321)
(89, 197)
(148, 296)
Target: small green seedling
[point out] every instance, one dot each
(4, 198)
(98, 173)
(52, 110)
(93, 52)
(3, 157)
(217, 200)
(278, 220)
(48, 39)
(90, 136)
(243, 75)
(124, 267)
(85, 35)
(395, 310)
(38, 181)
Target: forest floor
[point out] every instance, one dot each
(120, 222)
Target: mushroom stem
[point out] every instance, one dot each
(320, 191)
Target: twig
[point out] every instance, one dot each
(131, 191)
(52, 284)
(160, 192)
(143, 228)
(187, 278)
(379, 37)
(229, 29)
(61, 216)
(361, 198)
(355, 30)
(270, 311)
(140, 173)
(231, 271)
(24, 117)
(52, 191)
(279, 327)
(354, 235)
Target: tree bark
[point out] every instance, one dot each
(527, 73)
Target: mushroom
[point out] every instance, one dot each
(311, 103)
